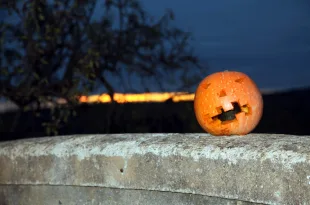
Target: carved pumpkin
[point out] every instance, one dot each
(228, 103)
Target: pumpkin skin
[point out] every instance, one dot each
(228, 103)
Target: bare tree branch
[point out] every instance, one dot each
(57, 49)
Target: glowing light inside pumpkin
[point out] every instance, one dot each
(230, 115)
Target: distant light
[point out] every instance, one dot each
(140, 97)
(148, 97)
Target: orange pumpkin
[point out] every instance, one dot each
(228, 103)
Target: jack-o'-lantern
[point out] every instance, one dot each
(228, 103)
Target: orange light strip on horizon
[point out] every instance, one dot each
(141, 97)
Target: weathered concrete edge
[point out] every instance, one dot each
(34, 194)
(271, 169)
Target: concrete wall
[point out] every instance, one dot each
(156, 169)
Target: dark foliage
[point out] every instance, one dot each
(54, 49)
(282, 115)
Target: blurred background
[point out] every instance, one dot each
(130, 66)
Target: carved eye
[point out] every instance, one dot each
(228, 103)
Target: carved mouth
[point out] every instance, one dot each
(230, 115)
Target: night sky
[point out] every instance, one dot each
(268, 40)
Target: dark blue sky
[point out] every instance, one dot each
(268, 40)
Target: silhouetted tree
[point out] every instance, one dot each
(57, 49)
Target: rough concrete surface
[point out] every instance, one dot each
(257, 168)
(78, 195)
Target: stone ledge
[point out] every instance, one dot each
(79, 195)
(257, 168)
